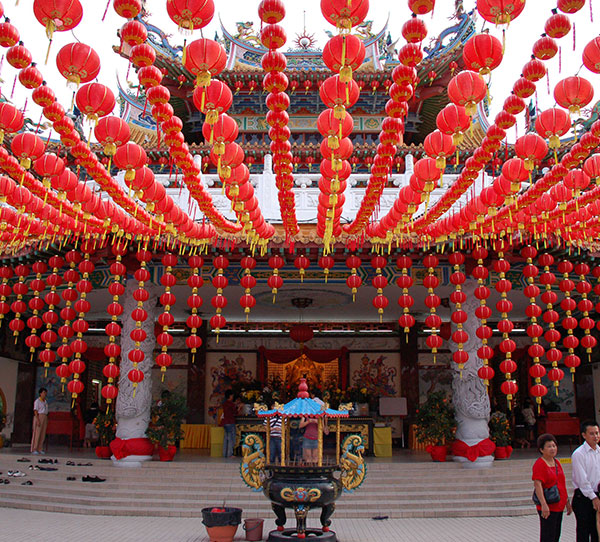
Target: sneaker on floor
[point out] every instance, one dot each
(42, 452)
(28, 483)
(35, 453)
(23, 460)
(10, 473)
(18, 474)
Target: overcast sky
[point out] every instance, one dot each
(520, 36)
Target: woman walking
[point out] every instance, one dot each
(550, 488)
(40, 422)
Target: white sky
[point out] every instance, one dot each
(520, 36)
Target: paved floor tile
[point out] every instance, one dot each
(30, 526)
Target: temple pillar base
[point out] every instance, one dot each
(131, 461)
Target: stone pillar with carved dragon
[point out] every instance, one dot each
(470, 397)
(131, 446)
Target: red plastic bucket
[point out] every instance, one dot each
(254, 529)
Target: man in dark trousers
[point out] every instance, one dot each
(586, 477)
(228, 422)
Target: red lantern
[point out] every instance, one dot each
(130, 157)
(531, 148)
(111, 132)
(94, 101)
(302, 263)
(467, 89)
(78, 63)
(205, 58)
(573, 93)
(18, 56)
(557, 25)
(9, 35)
(27, 147)
(191, 14)
(271, 11)
(545, 48)
(57, 15)
(128, 9)
(551, 124)
(591, 55)
(134, 33)
(344, 14)
(500, 11)
(482, 53)
(421, 7)
(343, 54)
(301, 333)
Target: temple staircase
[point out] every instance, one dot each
(395, 488)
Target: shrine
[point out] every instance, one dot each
(361, 214)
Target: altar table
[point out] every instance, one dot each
(195, 435)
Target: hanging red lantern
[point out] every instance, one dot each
(482, 53)
(453, 120)
(31, 77)
(18, 56)
(432, 301)
(380, 302)
(557, 25)
(344, 14)
(111, 132)
(500, 11)
(191, 14)
(167, 300)
(573, 93)
(128, 9)
(545, 48)
(6, 273)
(133, 33)
(414, 30)
(421, 7)
(130, 157)
(57, 15)
(467, 89)
(78, 63)
(204, 59)
(483, 312)
(275, 281)
(94, 101)
(439, 146)
(532, 149)
(591, 55)
(326, 263)
(27, 147)
(353, 281)
(570, 6)
(458, 316)
(9, 35)
(219, 281)
(11, 120)
(301, 333)
(271, 11)
(247, 301)
(551, 124)
(302, 263)
(405, 300)
(194, 301)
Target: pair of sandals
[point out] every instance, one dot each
(5, 481)
(72, 464)
(28, 483)
(92, 479)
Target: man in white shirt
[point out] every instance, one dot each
(586, 477)
(40, 422)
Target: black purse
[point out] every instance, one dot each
(551, 494)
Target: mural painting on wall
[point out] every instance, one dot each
(223, 377)
(58, 398)
(564, 401)
(377, 376)
(434, 377)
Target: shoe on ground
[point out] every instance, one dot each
(35, 452)
(98, 479)
(28, 483)
(70, 464)
(10, 473)
(18, 474)
(5, 481)
(23, 460)
(71, 478)
(42, 452)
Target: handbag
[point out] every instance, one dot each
(551, 494)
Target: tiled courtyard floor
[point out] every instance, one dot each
(30, 526)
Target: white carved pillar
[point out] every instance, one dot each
(133, 404)
(470, 397)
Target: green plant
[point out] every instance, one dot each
(105, 426)
(167, 417)
(500, 429)
(356, 394)
(436, 423)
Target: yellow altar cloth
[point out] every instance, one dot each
(195, 435)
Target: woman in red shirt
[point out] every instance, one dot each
(547, 472)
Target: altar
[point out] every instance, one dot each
(362, 425)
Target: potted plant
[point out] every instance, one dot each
(106, 428)
(221, 523)
(436, 425)
(500, 435)
(359, 397)
(165, 424)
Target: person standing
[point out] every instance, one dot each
(275, 440)
(548, 472)
(40, 422)
(228, 422)
(586, 477)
